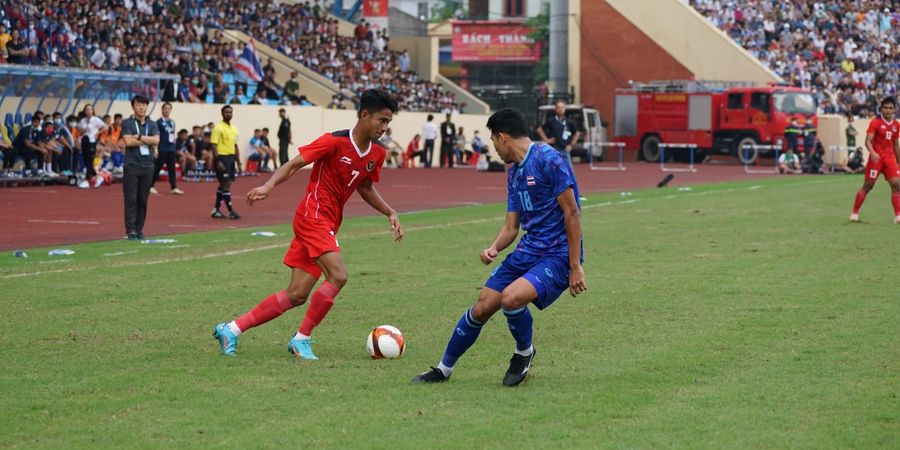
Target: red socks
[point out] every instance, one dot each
(895, 200)
(860, 198)
(268, 309)
(321, 302)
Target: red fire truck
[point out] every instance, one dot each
(715, 116)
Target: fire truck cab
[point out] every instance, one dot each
(716, 117)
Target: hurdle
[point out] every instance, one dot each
(662, 158)
(618, 168)
(757, 147)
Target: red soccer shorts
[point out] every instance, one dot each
(311, 240)
(886, 165)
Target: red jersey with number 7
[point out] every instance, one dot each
(885, 133)
(339, 167)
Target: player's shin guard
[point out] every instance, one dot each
(860, 198)
(226, 196)
(321, 302)
(268, 309)
(520, 325)
(464, 335)
(895, 200)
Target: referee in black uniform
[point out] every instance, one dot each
(284, 136)
(560, 132)
(141, 136)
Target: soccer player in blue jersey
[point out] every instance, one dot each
(543, 199)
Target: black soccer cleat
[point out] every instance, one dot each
(432, 376)
(233, 215)
(518, 368)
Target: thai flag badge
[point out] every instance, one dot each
(529, 180)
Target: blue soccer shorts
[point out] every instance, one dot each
(549, 274)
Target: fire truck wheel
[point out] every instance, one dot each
(746, 156)
(650, 148)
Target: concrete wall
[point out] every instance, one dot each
(307, 123)
(692, 40)
(614, 52)
(423, 54)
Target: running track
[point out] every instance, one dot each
(55, 215)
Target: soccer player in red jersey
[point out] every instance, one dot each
(884, 152)
(345, 161)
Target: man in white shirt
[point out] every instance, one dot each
(429, 135)
(98, 58)
(789, 163)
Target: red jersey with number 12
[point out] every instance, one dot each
(339, 168)
(885, 133)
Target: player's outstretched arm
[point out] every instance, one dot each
(368, 192)
(283, 173)
(572, 217)
(505, 237)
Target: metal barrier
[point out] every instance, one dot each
(662, 158)
(746, 149)
(833, 152)
(619, 168)
(65, 87)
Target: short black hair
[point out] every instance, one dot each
(117, 116)
(888, 100)
(140, 99)
(509, 121)
(166, 104)
(430, 117)
(375, 100)
(182, 131)
(227, 107)
(265, 130)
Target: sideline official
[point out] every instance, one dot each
(140, 136)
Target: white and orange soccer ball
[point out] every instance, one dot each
(385, 342)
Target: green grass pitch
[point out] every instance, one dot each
(743, 315)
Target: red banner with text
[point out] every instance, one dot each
(493, 41)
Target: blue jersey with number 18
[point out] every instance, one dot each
(533, 186)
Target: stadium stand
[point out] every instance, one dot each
(842, 50)
(175, 37)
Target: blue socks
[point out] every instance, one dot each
(520, 325)
(464, 335)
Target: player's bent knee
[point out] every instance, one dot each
(509, 300)
(338, 279)
(296, 297)
(482, 311)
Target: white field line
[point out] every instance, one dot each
(236, 252)
(375, 233)
(70, 222)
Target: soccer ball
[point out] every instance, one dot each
(385, 342)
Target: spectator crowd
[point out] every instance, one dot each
(845, 51)
(173, 36)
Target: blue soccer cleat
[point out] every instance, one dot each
(302, 348)
(227, 340)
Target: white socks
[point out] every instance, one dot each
(234, 328)
(527, 352)
(445, 370)
(300, 336)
